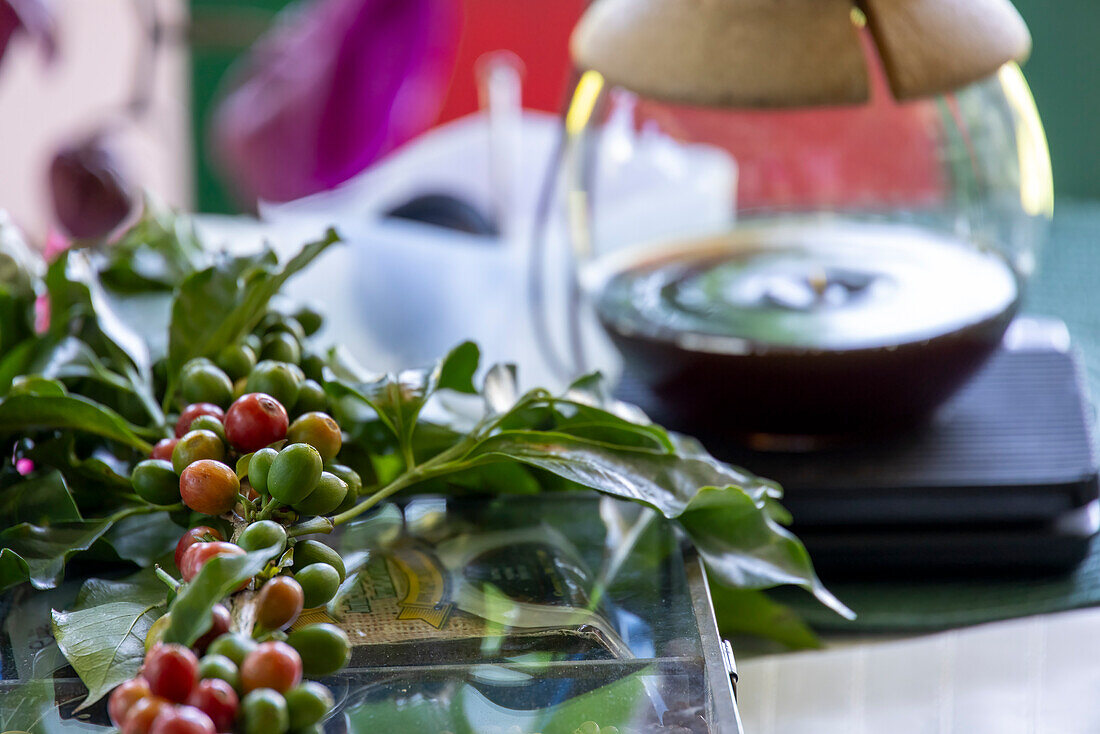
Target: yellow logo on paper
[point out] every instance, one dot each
(425, 587)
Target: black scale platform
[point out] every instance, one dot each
(1004, 478)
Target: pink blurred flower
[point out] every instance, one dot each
(24, 466)
(334, 85)
(32, 17)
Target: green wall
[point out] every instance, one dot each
(1064, 72)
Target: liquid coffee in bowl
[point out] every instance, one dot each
(805, 329)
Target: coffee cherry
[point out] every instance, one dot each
(182, 720)
(281, 346)
(352, 479)
(217, 699)
(263, 534)
(294, 473)
(209, 423)
(220, 667)
(200, 534)
(237, 360)
(307, 552)
(196, 445)
(209, 487)
(324, 648)
(319, 582)
(125, 695)
(264, 712)
(205, 383)
(310, 319)
(156, 632)
(279, 603)
(311, 397)
(220, 620)
(254, 421)
(172, 671)
(140, 717)
(200, 554)
(155, 481)
(234, 646)
(163, 449)
(259, 466)
(327, 495)
(320, 431)
(274, 665)
(281, 380)
(193, 411)
(307, 704)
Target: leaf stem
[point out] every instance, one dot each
(165, 577)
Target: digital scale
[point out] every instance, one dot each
(1003, 479)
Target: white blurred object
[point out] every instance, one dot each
(415, 290)
(1030, 676)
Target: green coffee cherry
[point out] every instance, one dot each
(259, 468)
(232, 645)
(219, 666)
(281, 347)
(310, 319)
(313, 366)
(280, 380)
(324, 648)
(319, 582)
(262, 534)
(264, 712)
(236, 360)
(208, 423)
(294, 473)
(197, 445)
(155, 481)
(274, 323)
(206, 383)
(307, 704)
(352, 479)
(327, 495)
(311, 398)
(307, 552)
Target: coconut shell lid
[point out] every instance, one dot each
(789, 53)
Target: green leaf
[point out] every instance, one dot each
(40, 501)
(144, 539)
(218, 305)
(104, 637)
(723, 509)
(38, 554)
(217, 580)
(23, 413)
(753, 612)
(155, 254)
(399, 398)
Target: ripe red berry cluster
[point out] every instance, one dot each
(238, 685)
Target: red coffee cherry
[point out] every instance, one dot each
(193, 411)
(279, 603)
(200, 554)
(163, 449)
(217, 699)
(182, 720)
(219, 625)
(254, 421)
(274, 665)
(209, 487)
(123, 698)
(141, 715)
(199, 534)
(171, 671)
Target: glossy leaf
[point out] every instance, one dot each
(103, 637)
(38, 501)
(399, 398)
(38, 554)
(23, 413)
(753, 612)
(218, 305)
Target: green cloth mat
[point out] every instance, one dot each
(1066, 286)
